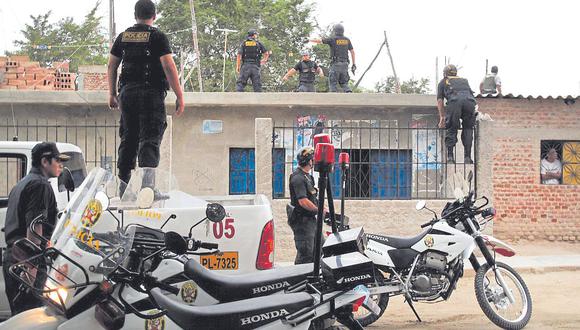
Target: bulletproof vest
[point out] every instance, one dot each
(139, 63)
(339, 49)
(251, 51)
(307, 72)
(489, 85)
(457, 87)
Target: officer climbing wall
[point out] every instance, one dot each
(307, 71)
(249, 60)
(491, 84)
(340, 46)
(460, 106)
(147, 72)
(303, 206)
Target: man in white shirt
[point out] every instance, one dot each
(491, 84)
(551, 171)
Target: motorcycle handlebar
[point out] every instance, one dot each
(208, 246)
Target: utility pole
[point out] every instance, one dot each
(225, 31)
(196, 45)
(436, 73)
(397, 84)
(112, 33)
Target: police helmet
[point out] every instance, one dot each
(494, 69)
(450, 70)
(304, 156)
(251, 32)
(338, 29)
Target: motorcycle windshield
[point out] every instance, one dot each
(83, 231)
(460, 186)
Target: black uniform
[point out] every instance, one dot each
(460, 105)
(251, 51)
(31, 197)
(143, 87)
(302, 221)
(307, 75)
(339, 48)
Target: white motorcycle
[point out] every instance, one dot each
(426, 268)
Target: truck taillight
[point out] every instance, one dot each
(265, 258)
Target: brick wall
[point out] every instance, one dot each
(526, 208)
(18, 72)
(95, 81)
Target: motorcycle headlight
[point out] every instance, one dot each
(56, 294)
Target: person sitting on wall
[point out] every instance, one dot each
(551, 168)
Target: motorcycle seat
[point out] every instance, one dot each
(396, 241)
(249, 313)
(227, 288)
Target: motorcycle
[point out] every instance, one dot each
(100, 273)
(428, 266)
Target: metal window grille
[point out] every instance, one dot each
(568, 156)
(388, 161)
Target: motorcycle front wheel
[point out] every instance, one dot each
(495, 302)
(365, 317)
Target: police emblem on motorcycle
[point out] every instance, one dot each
(155, 324)
(188, 292)
(429, 241)
(92, 213)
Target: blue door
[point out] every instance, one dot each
(278, 172)
(242, 171)
(390, 174)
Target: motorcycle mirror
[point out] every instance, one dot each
(24, 249)
(65, 180)
(215, 212)
(420, 205)
(175, 243)
(145, 198)
(102, 197)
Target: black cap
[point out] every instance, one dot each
(47, 149)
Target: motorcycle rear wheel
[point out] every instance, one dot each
(494, 302)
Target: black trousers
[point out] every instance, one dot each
(141, 127)
(249, 71)
(338, 75)
(19, 300)
(304, 229)
(306, 87)
(460, 112)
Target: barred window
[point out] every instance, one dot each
(560, 162)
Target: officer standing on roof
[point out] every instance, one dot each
(30, 198)
(303, 206)
(249, 60)
(148, 70)
(340, 46)
(460, 106)
(491, 84)
(307, 71)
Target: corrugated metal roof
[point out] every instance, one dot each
(529, 97)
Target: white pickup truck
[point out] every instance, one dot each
(245, 236)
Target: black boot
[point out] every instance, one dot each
(467, 156)
(149, 182)
(450, 157)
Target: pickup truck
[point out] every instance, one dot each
(245, 236)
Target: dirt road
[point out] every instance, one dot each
(555, 298)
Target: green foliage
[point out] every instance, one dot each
(284, 27)
(66, 32)
(411, 86)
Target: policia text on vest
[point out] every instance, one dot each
(248, 62)
(148, 70)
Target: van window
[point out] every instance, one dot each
(76, 164)
(12, 169)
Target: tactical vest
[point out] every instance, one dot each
(139, 64)
(489, 85)
(339, 49)
(457, 87)
(307, 72)
(251, 51)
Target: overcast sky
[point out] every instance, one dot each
(534, 43)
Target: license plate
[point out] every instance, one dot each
(225, 261)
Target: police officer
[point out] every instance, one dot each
(148, 70)
(307, 71)
(340, 46)
(303, 200)
(491, 84)
(30, 198)
(460, 106)
(249, 60)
